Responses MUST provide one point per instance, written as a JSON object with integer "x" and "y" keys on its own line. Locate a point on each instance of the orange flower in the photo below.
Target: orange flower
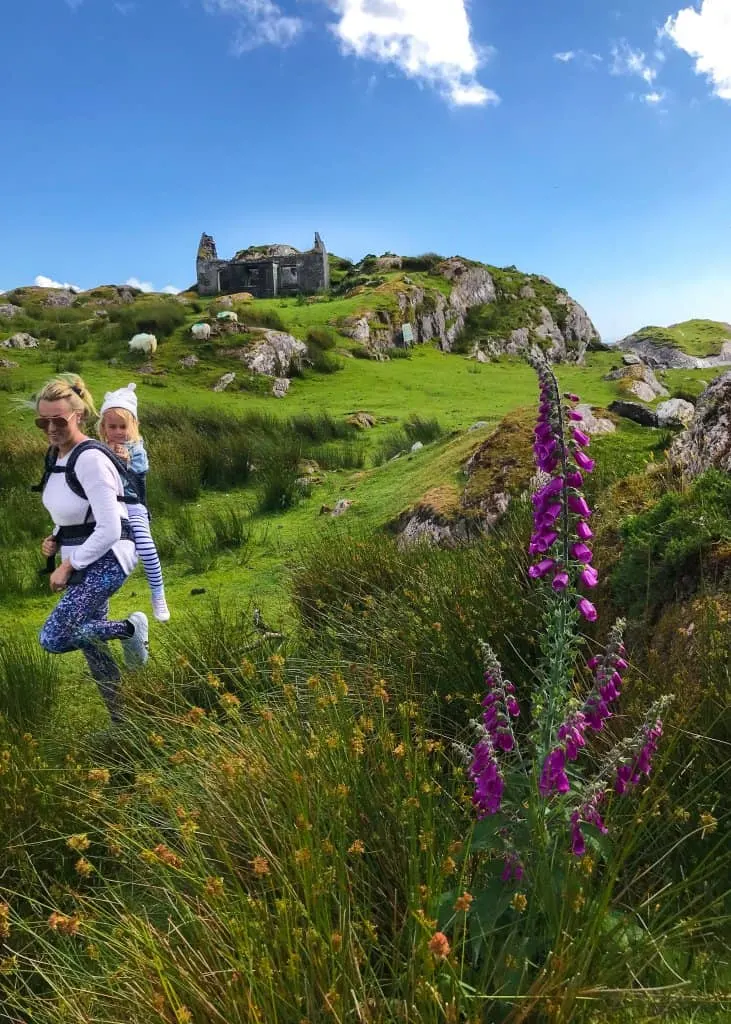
{"x": 260, "y": 866}
{"x": 336, "y": 941}
{"x": 357, "y": 847}
{"x": 439, "y": 946}
{"x": 78, "y": 842}
{"x": 463, "y": 903}
{"x": 63, "y": 924}
{"x": 83, "y": 867}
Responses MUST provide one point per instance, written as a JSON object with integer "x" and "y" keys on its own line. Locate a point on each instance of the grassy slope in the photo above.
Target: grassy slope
{"x": 431, "y": 383}
{"x": 694, "y": 337}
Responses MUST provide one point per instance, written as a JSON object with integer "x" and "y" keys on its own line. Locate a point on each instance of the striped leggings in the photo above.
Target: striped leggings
{"x": 139, "y": 520}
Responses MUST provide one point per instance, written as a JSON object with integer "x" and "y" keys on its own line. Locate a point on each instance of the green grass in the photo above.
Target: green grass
{"x": 694, "y": 337}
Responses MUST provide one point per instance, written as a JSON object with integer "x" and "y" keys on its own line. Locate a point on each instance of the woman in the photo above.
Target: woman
{"x": 85, "y": 499}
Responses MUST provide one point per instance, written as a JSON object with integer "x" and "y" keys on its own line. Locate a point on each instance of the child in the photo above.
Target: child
{"x": 119, "y": 430}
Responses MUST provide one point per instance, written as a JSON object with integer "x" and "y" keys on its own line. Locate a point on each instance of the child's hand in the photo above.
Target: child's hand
{"x": 121, "y": 451}
{"x": 49, "y": 547}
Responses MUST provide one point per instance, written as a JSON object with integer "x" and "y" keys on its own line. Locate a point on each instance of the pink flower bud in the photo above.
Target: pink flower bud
{"x": 587, "y": 609}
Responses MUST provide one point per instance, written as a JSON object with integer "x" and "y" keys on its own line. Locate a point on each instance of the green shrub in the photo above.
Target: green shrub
{"x": 360, "y": 351}
{"x": 149, "y": 316}
{"x": 261, "y": 318}
{"x": 664, "y": 553}
{"x": 321, "y": 337}
{"x": 29, "y": 683}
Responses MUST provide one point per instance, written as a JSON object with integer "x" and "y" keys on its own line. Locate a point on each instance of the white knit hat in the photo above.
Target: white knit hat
{"x": 122, "y": 398}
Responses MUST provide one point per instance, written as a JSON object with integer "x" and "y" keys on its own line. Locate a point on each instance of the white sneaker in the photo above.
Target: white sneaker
{"x": 135, "y": 646}
{"x": 160, "y": 608}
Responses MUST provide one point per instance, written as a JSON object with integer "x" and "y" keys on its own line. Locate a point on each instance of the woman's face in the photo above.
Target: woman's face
{"x": 115, "y": 428}
{"x": 63, "y": 424}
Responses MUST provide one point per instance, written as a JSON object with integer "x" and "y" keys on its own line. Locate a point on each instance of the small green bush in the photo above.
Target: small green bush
{"x": 261, "y": 318}
{"x": 29, "y": 682}
{"x": 360, "y": 351}
{"x": 664, "y": 549}
{"x": 154, "y": 316}
{"x": 321, "y": 337}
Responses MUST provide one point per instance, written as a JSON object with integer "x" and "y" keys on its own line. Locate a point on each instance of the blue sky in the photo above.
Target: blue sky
{"x": 584, "y": 140}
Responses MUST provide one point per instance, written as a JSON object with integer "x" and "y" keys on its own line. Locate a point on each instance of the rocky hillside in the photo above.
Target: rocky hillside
{"x": 379, "y": 304}
{"x": 462, "y": 305}
{"x": 693, "y": 344}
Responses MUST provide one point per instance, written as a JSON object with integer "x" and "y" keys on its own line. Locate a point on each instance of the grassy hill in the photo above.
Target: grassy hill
{"x": 282, "y": 830}
{"x": 694, "y": 337}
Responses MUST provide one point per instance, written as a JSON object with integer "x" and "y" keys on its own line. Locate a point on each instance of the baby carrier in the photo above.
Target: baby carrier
{"x": 134, "y": 494}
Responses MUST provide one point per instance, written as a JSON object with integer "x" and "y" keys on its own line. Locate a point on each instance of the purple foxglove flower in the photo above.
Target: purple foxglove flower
{"x": 575, "y": 416}
{"x": 589, "y": 576}
{"x": 587, "y": 609}
{"x": 583, "y": 461}
{"x": 571, "y": 396}
{"x": 584, "y": 531}
{"x": 513, "y": 707}
{"x": 620, "y": 664}
{"x": 574, "y": 479}
{"x": 592, "y": 663}
{"x": 546, "y": 540}
{"x": 578, "y": 504}
{"x": 552, "y": 512}
{"x": 504, "y": 741}
{"x": 560, "y": 581}
{"x": 541, "y": 568}
{"x": 553, "y": 775}
{"x": 581, "y": 553}
{"x": 578, "y": 845}
{"x": 580, "y": 437}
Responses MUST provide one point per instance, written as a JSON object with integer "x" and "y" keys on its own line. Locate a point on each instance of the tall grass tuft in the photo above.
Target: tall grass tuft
{"x": 29, "y": 683}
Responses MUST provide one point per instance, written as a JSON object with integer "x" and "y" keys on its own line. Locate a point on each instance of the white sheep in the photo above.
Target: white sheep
{"x": 201, "y": 332}
{"x": 228, "y": 314}
{"x": 146, "y": 343}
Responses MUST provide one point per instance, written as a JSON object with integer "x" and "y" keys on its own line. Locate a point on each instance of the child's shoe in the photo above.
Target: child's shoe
{"x": 160, "y": 607}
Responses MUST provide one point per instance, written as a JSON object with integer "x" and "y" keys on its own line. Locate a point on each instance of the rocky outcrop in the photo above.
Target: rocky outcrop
{"x": 592, "y": 424}
{"x": 59, "y": 298}
{"x": 272, "y": 353}
{"x": 433, "y": 316}
{"x": 638, "y": 380}
{"x": 675, "y": 413}
{"x": 635, "y": 412}
{"x": 8, "y": 364}
{"x": 664, "y": 356}
{"x": 280, "y": 387}
{"x": 8, "y": 310}
{"x": 20, "y": 340}
{"x": 499, "y": 469}
{"x": 224, "y": 382}
{"x": 707, "y": 442}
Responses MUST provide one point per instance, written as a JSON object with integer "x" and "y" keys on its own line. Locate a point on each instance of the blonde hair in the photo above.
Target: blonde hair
{"x": 133, "y": 427}
{"x": 69, "y": 387}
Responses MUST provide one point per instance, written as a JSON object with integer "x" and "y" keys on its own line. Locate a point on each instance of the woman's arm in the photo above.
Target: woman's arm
{"x": 101, "y": 483}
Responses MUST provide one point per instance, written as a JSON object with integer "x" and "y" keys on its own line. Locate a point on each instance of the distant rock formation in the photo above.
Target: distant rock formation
{"x": 707, "y": 442}
{"x": 662, "y": 347}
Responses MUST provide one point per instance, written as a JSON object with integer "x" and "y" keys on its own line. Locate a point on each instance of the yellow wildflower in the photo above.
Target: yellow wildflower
{"x": 260, "y": 866}
{"x": 380, "y": 692}
{"x": 4, "y": 921}
{"x": 248, "y": 669}
{"x": 214, "y": 887}
{"x": 83, "y": 867}
{"x": 449, "y": 866}
{"x": 519, "y": 902}
{"x": 357, "y": 847}
{"x": 399, "y": 750}
{"x": 213, "y": 681}
{"x": 709, "y": 824}
{"x": 79, "y": 842}
{"x": 64, "y": 924}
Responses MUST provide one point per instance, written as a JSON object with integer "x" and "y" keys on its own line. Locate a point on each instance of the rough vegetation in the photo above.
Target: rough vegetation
{"x": 282, "y": 830}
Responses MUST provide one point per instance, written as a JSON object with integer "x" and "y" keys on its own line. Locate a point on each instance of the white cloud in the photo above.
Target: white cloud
{"x": 627, "y": 61}
{"x": 74, "y": 4}
{"x": 260, "y": 23}
{"x": 589, "y": 60}
{"x": 706, "y": 35}
{"x": 47, "y": 282}
{"x": 653, "y": 98}
{"x": 428, "y": 41}
{"x": 144, "y": 286}
{"x": 148, "y": 286}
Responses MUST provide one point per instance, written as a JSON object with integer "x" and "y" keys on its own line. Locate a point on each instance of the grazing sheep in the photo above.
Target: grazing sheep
{"x": 227, "y": 314}
{"x": 201, "y": 332}
{"x": 146, "y": 343}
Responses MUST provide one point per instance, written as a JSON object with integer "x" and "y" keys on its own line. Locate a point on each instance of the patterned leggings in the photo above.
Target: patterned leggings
{"x": 139, "y": 520}
{"x": 79, "y": 623}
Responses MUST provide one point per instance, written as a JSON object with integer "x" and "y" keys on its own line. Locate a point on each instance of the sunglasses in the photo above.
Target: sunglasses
{"x": 57, "y": 422}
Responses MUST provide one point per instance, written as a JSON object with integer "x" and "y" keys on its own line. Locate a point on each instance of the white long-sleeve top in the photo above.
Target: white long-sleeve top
{"x": 102, "y": 485}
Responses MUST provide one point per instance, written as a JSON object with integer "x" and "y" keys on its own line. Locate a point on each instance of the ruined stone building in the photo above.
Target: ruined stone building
{"x": 263, "y": 270}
